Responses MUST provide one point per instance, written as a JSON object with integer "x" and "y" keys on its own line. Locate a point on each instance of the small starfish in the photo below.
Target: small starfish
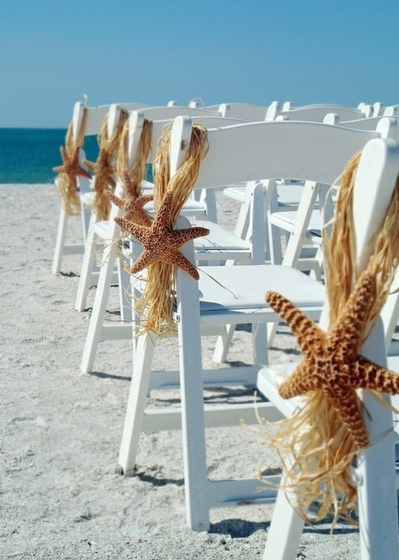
{"x": 133, "y": 203}
{"x": 71, "y": 165}
{"x": 102, "y": 169}
{"x": 160, "y": 242}
{"x": 332, "y": 361}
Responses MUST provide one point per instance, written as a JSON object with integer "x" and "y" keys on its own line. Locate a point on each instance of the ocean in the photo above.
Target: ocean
{"x": 28, "y": 155}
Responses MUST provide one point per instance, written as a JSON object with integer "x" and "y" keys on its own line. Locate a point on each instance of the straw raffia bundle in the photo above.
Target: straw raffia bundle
{"x": 315, "y": 444}
{"x": 103, "y": 167}
{"x": 67, "y": 179}
{"x": 156, "y": 302}
{"x": 132, "y": 174}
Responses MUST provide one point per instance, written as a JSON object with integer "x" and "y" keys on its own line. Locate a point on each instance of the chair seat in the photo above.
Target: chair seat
{"x": 236, "y": 192}
{"x": 219, "y": 239}
{"x": 286, "y": 219}
{"x": 87, "y": 198}
{"x": 240, "y": 290}
{"x": 268, "y": 381}
{"x": 289, "y": 193}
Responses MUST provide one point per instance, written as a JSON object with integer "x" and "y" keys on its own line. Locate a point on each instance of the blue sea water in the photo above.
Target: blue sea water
{"x": 28, "y": 155}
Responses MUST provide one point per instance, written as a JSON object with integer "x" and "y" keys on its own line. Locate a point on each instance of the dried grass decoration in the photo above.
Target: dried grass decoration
{"x": 318, "y": 443}
{"x": 132, "y": 175}
{"x": 71, "y": 169}
{"x": 103, "y": 168}
{"x": 161, "y": 242}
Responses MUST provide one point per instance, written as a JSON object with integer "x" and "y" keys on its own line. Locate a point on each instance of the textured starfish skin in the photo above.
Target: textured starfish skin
{"x": 102, "y": 169}
{"x": 134, "y": 202}
{"x": 160, "y": 242}
{"x": 71, "y": 165}
{"x": 332, "y": 361}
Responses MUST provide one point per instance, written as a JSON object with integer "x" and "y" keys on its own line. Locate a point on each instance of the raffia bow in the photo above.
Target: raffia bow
{"x": 319, "y": 440}
{"x": 67, "y": 179}
{"x": 155, "y": 305}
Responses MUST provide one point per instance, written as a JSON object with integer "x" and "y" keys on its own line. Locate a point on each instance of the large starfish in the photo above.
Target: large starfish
{"x": 160, "y": 242}
{"x": 332, "y": 361}
{"x": 102, "y": 169}
{"x": 71, "y": 165}
{"x": 134, "y": 203}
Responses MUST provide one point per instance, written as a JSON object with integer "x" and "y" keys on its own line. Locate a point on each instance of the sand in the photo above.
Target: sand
{"x": 61, "y": 430}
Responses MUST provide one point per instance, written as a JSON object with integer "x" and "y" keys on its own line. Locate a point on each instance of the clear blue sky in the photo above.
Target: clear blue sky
{"x": 306, "y": 51}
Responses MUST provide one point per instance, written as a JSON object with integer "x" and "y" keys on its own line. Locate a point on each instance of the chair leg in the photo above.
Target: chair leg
{"x": 60, "y": 242}
{"x": 125, "y": 295}
{"x": 196, "y": 482}
{"x": 87, "y": 270}
{"x": 100, "y": 302}
{"x": 142, "y": 358}
{"x": 285, "y": 530}
{"x": 377, "y": 494}
{"x": 223, "y": 344}
{"x": 197, "y": 486}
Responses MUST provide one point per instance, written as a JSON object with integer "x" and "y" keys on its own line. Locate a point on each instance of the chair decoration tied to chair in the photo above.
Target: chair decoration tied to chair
{"x": 71, "y": 168}
{"x": 103, "y": 168}
{"x": 132, "y": 176}
{"x": 161, "y": 242}
{"x": 323, "y": 436}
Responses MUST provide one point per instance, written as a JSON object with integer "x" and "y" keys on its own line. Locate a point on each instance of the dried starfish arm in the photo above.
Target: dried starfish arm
{"x": 71, "y": 165}
{"x": 353, "y": 320}
{"x": 132, "y": 188}
{"x": 103, "y": 170}
{"x": 174, "y": 257}
{"x": 138, "y": 231}
{"x": 303, "y": 380}
{"x": 365, "y": 374}
{"x": 306, "y": 331}
{"x": 134, "y": 207}
{"x": 346, "y": 405}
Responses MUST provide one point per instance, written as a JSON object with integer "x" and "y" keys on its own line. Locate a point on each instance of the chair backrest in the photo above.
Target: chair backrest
{"x": 247, "y": 111}
{"x": 170, "y": 112}
{"x": 96, "y": 115}
{"x": 136, "y": 121}
{"x": 272, "y": 150}
{"x": 163, "y": 117}
{"x": 370, "y": 123}
{"x": 314, "y": 113}
{"x": 391, "y": 111}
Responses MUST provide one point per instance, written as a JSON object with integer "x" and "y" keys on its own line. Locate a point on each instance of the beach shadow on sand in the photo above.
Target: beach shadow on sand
{"x": 238, "y": 528}
{"x": 104, "y": 375}
{"x": 156, "y": 478}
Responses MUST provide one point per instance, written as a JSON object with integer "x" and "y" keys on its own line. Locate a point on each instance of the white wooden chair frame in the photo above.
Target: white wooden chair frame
{"x": 228, "y": 246}
{"x": 94, "y": 121}
{"x": 236, "y": 297}
{"x": 375, "y": 470}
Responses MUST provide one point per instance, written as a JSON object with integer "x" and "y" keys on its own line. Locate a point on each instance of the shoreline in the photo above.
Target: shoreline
{"x": 61, "y": 429}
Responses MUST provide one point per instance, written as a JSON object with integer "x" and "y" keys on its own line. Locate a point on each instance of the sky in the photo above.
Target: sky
{"x": 53, "y": 52}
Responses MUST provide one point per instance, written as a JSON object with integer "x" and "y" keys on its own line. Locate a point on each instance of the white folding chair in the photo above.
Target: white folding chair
{"x": 228, "y": 295}
{"x": 316, "y": 112}
{"x": 221, "y": 245}
{"x": 246, "y": 111}
{"x": 374, "y": 472}
{"x": 304, "y": 225}
{"x": 89, "y": 272}
{"x": 92, "y": 118}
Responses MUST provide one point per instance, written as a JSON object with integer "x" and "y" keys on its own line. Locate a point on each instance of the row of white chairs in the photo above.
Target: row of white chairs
{"x": 247, "y": 152}
{"x": 247, "y": 244}
{"x": 228, "y": 161}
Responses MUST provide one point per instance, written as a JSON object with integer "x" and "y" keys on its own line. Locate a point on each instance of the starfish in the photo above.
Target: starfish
{"x": 332, "y": 362}
{"x": 160, "y": 242}
{"x": 133, "y": 203}
{"x": 71, "y": 165}
{"x": 102, "y": 169}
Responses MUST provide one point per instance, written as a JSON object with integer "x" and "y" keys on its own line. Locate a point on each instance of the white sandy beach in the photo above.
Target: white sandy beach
{"x": 61, "y": 430}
